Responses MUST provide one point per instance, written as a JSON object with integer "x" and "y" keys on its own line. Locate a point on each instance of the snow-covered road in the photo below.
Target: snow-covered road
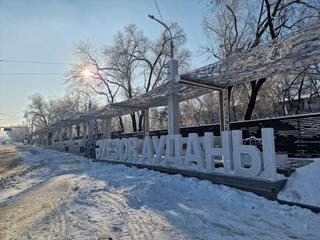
{"x": 53, "y": 195}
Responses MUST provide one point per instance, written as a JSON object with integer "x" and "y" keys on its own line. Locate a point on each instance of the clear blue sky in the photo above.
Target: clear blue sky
{"x": 42, "y": 30}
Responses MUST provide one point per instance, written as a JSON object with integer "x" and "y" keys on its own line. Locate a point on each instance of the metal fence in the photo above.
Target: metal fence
{"x": 298, "y": 135}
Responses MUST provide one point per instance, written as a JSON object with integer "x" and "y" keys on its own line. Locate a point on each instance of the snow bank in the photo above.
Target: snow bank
{"x": 129, "y": 203}
{"x": 177, "y": 207}
{"x": 303, "y": 186}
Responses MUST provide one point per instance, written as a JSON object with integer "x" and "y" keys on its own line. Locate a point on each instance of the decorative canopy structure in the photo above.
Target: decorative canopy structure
{"x": 154, "y": 98}
{"x": 296, "y": 50}
{"x": 158, "y": 96}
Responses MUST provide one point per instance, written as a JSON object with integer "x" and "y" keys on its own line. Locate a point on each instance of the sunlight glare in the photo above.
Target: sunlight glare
{"x": 86, "y": 73}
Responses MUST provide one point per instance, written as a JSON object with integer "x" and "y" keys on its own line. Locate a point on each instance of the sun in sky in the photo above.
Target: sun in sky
{"x": 86, "y": 73}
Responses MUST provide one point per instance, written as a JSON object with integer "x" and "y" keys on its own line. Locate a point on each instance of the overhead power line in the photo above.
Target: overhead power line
{"x": 22, "y": 73}
{"x": 155, "y": 2}
{"x": 3, "y": 113}
{"x": 34, "y": 62}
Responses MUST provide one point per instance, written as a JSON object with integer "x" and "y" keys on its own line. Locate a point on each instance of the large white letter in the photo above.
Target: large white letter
{"x": 211, "y": 151}
{"x": 104, "y": 149}
{"x": 251, "y": 151}
{"x": 269, "y": 154}
{"x": 133, "y": 149}
{"x": 116, "y": 150}
{"x": 109, "y": 149}
{"x": 123, "y": 149}
{"x": 173, "y": 151}
{"x": 194, "y": 153}
{"x": 158, "y": 146}
{"x": 147, "y": 151}
{"x": 98, "y": 149}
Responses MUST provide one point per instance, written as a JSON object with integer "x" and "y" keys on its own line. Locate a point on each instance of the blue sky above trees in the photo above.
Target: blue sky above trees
{"x": 37, "y": 30}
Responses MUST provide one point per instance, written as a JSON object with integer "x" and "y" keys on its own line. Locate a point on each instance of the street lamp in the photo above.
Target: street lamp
{"x": 163, "y": 24}
{"x": 172, "y": 99}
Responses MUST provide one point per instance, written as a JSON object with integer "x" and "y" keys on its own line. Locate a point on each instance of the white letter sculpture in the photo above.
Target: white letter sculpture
{"x": 115, "y": 154}
{"x": 194, "y": 153}
{"x": 200, "y": 156}
{"x": 173, "y": 151}
{"x": 269, "y": 154}
{"x": 133, "y": 155}
{"x": 158, "y": 146}
{"x": 99, "y": 149}
{"x": 147, "y": 151}
{"x": 212, "y": 151}
{"x": 123, "y": 149}
{"x": 239, "y": 150}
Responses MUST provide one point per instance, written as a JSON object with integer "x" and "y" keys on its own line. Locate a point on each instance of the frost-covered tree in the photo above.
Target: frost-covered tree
{"x": 41, "y": 112}
{"x": 234, "y": 26}
{"x": 38, "y": 111}
{"x": 131, "y": 65}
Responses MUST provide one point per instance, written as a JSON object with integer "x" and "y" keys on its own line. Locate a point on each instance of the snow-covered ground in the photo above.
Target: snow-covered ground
{"x": 303, "y": 186}
{"x": 64, "y": 196}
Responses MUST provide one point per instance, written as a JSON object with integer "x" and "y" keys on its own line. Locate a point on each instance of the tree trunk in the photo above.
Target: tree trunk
{"x": 140, "y": 121}
{"x": 299, "y": 96}
{"x": 234, "y": 108}
{"x": 121, "y": 123}
{"x": 229, "y": 99}
{"x": 255, "y": 87}
{"x": 134, "y": 122}
{"x": 78, "y": 129}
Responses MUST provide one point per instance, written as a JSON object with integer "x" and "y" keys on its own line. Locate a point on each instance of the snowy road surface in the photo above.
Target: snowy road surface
{"x": 47, "y": 194}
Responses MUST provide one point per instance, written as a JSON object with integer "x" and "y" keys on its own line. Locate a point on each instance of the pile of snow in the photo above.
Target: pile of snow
{"x": 303, "y": 186}
{"x": 176, "y": 207}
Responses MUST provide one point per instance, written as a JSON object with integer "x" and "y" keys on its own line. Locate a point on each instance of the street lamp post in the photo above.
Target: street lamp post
{"x": 171, "y": 38}
{"x": 172, "y": 99}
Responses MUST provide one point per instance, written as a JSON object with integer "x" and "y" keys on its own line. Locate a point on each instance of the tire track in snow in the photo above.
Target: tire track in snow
{"x": 135, "y": 225}
{"x": 29, "y": 211}
{"x": 121, "y": 222}
{"x": 116, "y": 215}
